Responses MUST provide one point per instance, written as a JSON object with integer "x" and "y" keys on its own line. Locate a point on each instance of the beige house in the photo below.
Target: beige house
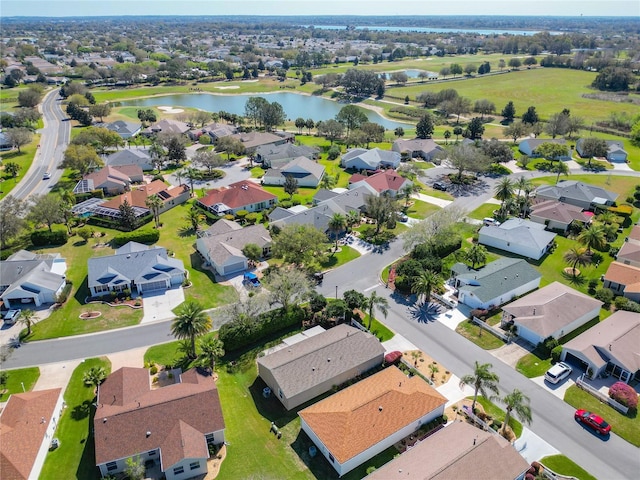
{"x": 612, "y": 346}
{"x": 458, "y": 451}
{"x": 624, "y": 280}
{"x": 629, "y": 253}
{"x": 27, "y": 426}
{"x": 359, "y": 422}
{"x": 300, "y": 372}
{"x": 557, "y": 215}
{"x": 552, "y": 311}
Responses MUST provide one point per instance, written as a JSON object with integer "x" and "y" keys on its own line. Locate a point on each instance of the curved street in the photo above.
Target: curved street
{"x": 552, "y": 418}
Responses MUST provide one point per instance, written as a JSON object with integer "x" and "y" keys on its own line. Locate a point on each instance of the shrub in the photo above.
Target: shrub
{"x": 40, "y": 238}
{"x": 204, "y": 140}
{"x": 555, "y": 353}
{"x": 605, "y": 295}
{"x": 141, "y": 236}
{"x": 153, "y": 370}
{"x": 624, "y": 394}
{"x": 334, "y": 152}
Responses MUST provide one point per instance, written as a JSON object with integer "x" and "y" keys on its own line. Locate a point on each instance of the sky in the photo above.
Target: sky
{"x": 66, "y": 8}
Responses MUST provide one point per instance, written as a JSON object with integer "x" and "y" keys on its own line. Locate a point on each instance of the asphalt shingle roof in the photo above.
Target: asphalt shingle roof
{"x": 572, "y": 189}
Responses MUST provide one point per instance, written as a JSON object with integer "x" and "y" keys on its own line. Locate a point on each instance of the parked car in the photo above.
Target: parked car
{"x": 393, "y": 358}
{"x": 488, "y": 222}
{"x": 440, "y": 186}
{"x": 402, "y": 216}
{"x": 12, "y": 315}
{"x": 46, "y": 176}
{"x": 557, "y": 373}
{"x": 592, "y": 421}
{"x": 251, "y": 280}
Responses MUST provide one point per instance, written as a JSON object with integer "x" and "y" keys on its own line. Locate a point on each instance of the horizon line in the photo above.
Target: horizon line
{"x": 318, "y": 16}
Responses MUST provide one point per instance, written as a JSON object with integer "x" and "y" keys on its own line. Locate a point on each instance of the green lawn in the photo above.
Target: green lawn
{"x": 625, "y": 426}
{"x": 75, "y": 458}
{"x": 483, "y": 211}
{"x": 345, "y": 255}
{"x": 379, "y": 329}
{"x": 565, "y": 466}
{"x": 23, "y": 159}
{"x": 498, "y": 414}
{"x": 420, "y": 209}
{"x": 533, "y": 366}
{"x": 480, "y": 337}
{"x": 18, "y": 381}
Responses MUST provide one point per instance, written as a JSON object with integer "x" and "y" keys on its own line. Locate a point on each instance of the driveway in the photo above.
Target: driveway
{"x": 510, "y": 353}
{"x": 158, "y": 306}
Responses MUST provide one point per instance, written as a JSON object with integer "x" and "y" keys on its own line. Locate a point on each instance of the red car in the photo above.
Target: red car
{"x": 593, "y": 421}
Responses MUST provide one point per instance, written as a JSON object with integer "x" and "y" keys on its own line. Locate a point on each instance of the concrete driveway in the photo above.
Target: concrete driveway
{"x": 510, "y": 353}
{"x": 158, "y": 306}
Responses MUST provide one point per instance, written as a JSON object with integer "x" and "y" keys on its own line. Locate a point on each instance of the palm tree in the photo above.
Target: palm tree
{"x": 607, "y": 217}
{"x": 524, "y": 185}
{"x": 94, "y": 377}
{"x": 425, "y": 283}
{"x": 26, "y": 318}
{"x": 211, "y": 349}
{"x": 593, "y": 237}
{"x": 517, "y": 402}
{"x": 353, "y": 218}
{"x": 191, "y": 322}
{"x": 476, "y": 254}
{"x": 503, "y": 191}
{"x": 560, "y": 168}
{"x": 577, "y": 256}
{"x": 482, "y": 380}
{"x": 154, "y": 203}
{"x": 376, "y": 301}
{"x": 328, "y": 181}
{"x": 337, "y": 223}
{"x": 195, "y": 217}
{"x": 191, "y": 174}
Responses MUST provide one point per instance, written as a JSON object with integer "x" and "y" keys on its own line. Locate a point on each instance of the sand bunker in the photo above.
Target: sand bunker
{"x": 171, "y": 110}
{"x": 228, "y": 87}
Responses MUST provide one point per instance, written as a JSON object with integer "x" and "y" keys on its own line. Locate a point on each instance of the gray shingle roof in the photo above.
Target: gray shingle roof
{"x": 520, "y": 232}
{"x": 225, "y": 240}
{"x": 496, "y": 278}
{"x": 301, "y": 366}
{"x": 572, "y": 189}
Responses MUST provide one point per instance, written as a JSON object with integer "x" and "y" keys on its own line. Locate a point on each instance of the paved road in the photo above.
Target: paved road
{"x": 54, "y": 141}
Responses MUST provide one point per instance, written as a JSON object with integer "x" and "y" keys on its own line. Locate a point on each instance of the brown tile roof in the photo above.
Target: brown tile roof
{"x": 635, "y": 233}
{"x": 138, "y": 195}
{"x": 626, "y": 275}
{"x": 237, "y": 195}
{"x": 119, "y": 174}
{"x": 22, "y": 430}
{"x": 459, "y": 451}
{"x": 551, "y": 308}
{"x": 562, "y": 212}
{"x": 360, "y": 416}
{"x": 131, "y": 418}
{"x": 383, "y": 181}
{"x": 630, "y": 251}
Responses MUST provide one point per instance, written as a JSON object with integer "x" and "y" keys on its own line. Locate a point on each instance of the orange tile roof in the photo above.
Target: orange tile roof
{"x": 22, "y": 431}
{"x": 360, "y": 416}
{"x": 237, "y": 195}
{"x": 385, "y": 180}
{"x": 137, "y": 196}
{"x": 622, "y": 274}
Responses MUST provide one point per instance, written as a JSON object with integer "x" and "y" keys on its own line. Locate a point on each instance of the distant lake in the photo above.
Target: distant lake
{"x": 294, "y": 105}
{"x": 430, "y": 30}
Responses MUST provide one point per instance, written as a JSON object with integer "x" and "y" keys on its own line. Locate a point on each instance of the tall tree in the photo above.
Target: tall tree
{"x": 464, "y": 157}
{"x": 128, "y": 218}
{"x": 373, "y": 302}
{"x": 337, "y": 224}
{"x": 425, "y": 126}
{"x": 351, "y": 117}
{"x": 157, "y": 154}
{"x": 380, "y": 209}
{"x": 509, "y": 112}
{"x": 518, "y": 403}
{"x": 577, "y": 256}
{"x": 191, "y": 322}
{"x": 593, "y": 237}
{"x": 82, "y": 158}
{"x": 290, "y": 185}
{"x": 94, "y": 377}
{"x": 208, "y": 159}
{"x": 558, "y": 124}
{"x": 287, "y": 286}
{"x": 231, "y": 146}
{"x": 530, "y": 116}
{"x": 475, "y": 128}
{"x": 19, "y": 137}
{"x": 504, "y": 190}
{"x": 299, "y": 244}
{"x": 154, "y": 203}
{"x": 194, "y": 218}
{"x": 332, "y": 130}
{"x": 211, "y": 349}
{"x": 11, "y": 218}
{"x": 26, "y": 318}
{"x": 594, "y": 147}
{"x": 425, "y": 284}
{"x": 483, "y": 381}
{"x": 476, "y": 254}
{"x": 560, "y": 168}
{"x": 46, "y": 209}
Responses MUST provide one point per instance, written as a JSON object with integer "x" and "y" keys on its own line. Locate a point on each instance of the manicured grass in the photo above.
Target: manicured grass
{"x": 499, "y": 415}
{"x": 257, "y": 172}
{"x": 23, "y": 159}
{"x": 378, "y": 329}
{"x": 432, "y": 192}
{"x": 478, "y": 336}
{"x": 420, "y": 209}
{"x": 16, "y": 379}
{"x": 424, "y": 165}
{"x": 625, "y": 426}
{"x": 565, "y": 466}
{"x": 345, "y": 255}
{"x": 163, "y": 354}
{"x": 533, "y": 366}
{"x": 75, "y": 457}
{"x": 484, "y": 210}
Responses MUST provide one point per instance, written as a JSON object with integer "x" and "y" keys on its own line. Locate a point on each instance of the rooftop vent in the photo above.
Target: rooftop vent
{"x": 148, "y": 433}
{"x": 380, "y": 408}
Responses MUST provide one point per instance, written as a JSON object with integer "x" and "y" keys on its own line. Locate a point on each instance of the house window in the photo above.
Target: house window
{"x": 112, "y": 466}
{"x": 152, "y": 453}
{"x": 331, "y": 458}
{"x": 280, "y": 393}
{"x": 194, "y": 465}
{"x": 178, "y": 470}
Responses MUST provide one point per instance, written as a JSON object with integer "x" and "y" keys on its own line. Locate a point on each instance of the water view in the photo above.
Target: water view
{"x": 294, "y": 105}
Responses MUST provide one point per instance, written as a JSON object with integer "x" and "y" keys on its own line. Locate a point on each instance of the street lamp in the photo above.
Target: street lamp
{"x": 336, "y": 292}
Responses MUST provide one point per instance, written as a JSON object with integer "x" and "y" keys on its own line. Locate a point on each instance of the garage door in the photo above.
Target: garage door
{"x": 147, "y": 287}
{"x": 571, "y": 359}
{"x": 233, "y": 268}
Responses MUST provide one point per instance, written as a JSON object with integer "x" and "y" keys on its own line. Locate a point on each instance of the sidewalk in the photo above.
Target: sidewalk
{"x": 532, "y": 447}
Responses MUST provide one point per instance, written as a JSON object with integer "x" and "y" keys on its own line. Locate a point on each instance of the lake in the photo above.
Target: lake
{"x": 294, "y": 105}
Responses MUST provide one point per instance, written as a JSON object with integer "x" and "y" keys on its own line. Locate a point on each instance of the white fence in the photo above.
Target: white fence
{"x": 491, "y": 330}
{"x": 601, "y": 396}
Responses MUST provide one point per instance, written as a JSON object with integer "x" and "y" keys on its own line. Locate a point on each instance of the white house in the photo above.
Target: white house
{"x": 519, "y": 236}
{"x": 363, "y": 159}
{"x": 306, "y": 172}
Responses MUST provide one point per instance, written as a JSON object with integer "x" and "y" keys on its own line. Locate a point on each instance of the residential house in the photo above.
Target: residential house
{"x": 424, "y": 148}
{"x": 494, "y": 284}
{"x": 459, "y": 451}
{"x": 577, "y": 193}
{"x": 131, "y": 156}
{"x": 124, "y": 129}
{"x": 558, "y": 215}
{"x": 167, "y": 125}
{"x": 615, "y": 150}
{"x": 355, "y": 424}
{"x": 629, "y": 253}
{"x": 31, "y": 279}
{"x": 5, "y": 142}
{"x": 27, "y": 425}
{"x": 221, "y": 245}
{"x": 552, "y": 311}
{"x": 306, "y": 172}
{"x": 624, "y": 280}
{"x": 529, "y": 146}
{"x": 385, "y": 182}
{"x": 171, "y": 426}
{"x": 611, "y": 346}
{"x": 111, "y": 180}
{"x": 253, "y": 140}
{"x": 134, "y": 267}
{"x": 320, "y": 214}
{"x": 272, "y": 155}
{"x": 244, "y": 195}
{"x": 299, "y": 372}
{"x": 362, "y": 159}
{"x": 519, "y": 236}
{"x": 218, "y": 130}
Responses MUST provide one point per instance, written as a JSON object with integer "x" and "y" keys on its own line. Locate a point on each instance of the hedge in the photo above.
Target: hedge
{"x": 40, "y": 238}
{"x": 142, "y": 236}
{"x": 241, "y": 333}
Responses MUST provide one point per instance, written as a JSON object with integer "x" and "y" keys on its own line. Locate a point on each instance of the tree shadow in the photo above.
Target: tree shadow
{"x": 317, "y": 464}
{"x": 578, "y": 280}
{"x": 425, "y": 313}
{"x": 81, "y": 411}
{"x": 87, "y": 468}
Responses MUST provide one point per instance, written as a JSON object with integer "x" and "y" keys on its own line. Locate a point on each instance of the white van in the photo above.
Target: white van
{"x": 488, "y": 221}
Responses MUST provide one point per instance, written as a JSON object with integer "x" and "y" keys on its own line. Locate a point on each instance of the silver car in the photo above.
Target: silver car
{"x": 557, "y": 373}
